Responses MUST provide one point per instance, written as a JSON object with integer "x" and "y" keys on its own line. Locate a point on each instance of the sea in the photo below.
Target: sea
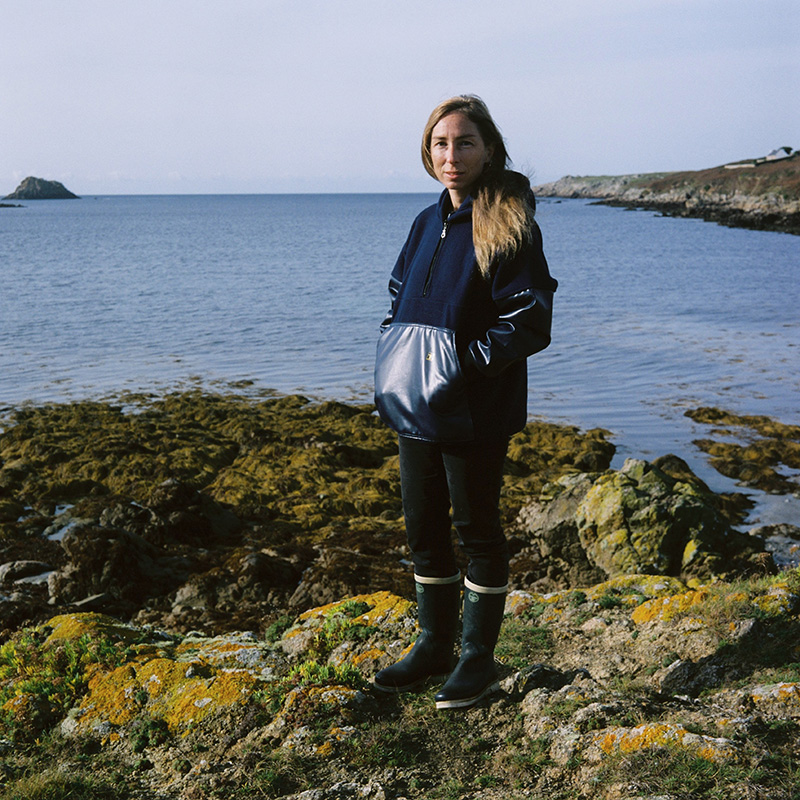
{"x": 257, "y": 294}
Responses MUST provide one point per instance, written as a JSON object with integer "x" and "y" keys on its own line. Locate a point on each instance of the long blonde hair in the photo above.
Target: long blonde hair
{"x": 503, "y": 205}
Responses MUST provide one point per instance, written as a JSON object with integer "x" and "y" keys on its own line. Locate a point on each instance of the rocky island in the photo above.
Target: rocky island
{"x": 39, "y": 189}
{"x": 761, "y": 193}
{"x": 195, "y": 591}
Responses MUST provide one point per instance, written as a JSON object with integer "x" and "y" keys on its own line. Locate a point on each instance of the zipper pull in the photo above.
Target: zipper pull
{"x": 444, "y": 230}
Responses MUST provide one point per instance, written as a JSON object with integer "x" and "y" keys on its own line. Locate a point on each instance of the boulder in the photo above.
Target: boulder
{"x": 19, "y": 570}
{"x": 116, "y": 563}
{"x": 640, "y": 519}
{"x": 174, "y": 513}
{"x": 39, "y": 189}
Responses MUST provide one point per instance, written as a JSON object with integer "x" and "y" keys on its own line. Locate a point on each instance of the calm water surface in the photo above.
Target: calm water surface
{"x": 653, "y": 315}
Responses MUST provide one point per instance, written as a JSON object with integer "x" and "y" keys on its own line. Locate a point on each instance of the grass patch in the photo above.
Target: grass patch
{"x": 521, "y": 760}
{"x": 52, "y": 784}
{"x": 268, "y": 776}
{"x": 341, "y": 626}
{"x": 521, "y": 644}
{"x": 681, "y": 774}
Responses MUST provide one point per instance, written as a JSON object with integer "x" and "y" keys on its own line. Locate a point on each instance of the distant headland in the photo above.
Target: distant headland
{"x": 761, "y": 193}
{"x": 39, "y": 189}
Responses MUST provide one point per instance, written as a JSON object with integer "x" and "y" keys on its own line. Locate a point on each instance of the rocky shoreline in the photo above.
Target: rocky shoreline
{"x": 196, "y": 590}
{"x": 764, "y": 196}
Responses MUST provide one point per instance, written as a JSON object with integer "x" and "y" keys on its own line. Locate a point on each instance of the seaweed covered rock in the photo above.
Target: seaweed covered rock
{"x": 640, "y": 519}
{"x": 208, "y": 512}
{"x": 765, "y": 451}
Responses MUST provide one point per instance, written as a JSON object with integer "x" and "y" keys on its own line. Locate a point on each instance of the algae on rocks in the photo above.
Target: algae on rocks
{"x": 765, "y": 445}
{"x": 218, "y": 512}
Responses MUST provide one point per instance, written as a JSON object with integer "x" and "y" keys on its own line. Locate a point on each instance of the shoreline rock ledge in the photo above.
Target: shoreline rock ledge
{"x": 761, "y": 194}
{"x": 40, "y": 189}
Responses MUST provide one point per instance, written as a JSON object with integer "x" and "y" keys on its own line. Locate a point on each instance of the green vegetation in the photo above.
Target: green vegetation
{"x": 55, "y": 784}
{"x": 309, "y": 674}
{"x": 340, "y": 626}
{"x": 148, "y": 733}
{"x": 680, "y": 774}
{"x": 45, "y": 678}
{"x": 278, "y": 628}
{"x": 269, "y": 775}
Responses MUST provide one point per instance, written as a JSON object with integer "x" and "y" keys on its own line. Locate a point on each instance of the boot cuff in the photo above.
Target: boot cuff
{"x": 437, "y": 581}
{"x": 484, "y": 589}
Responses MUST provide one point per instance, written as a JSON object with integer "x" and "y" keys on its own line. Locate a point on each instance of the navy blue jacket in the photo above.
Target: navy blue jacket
{"x": 451, "y": 358}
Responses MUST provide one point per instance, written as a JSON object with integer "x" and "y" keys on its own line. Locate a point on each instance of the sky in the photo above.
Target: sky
{"x": 271, "y": 96}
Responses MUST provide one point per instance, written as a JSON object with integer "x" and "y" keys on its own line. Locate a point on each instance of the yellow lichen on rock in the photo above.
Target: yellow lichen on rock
{"x": 384, "y": 608}
{"x": 665, "y": 608}
{"x": 651, "y": 586}
{"x": 657, "y": 735}
{"x": 369, "y": 657}
{"x": 165, "y": 689}
{"x": 73, "y": 626}
{"x": 781, "y": 699}
{"x": 628, "y": 590}
{"x": 235, "y": 651}
{"x": 777, "y": 601}
{"x": 519, "y": 601}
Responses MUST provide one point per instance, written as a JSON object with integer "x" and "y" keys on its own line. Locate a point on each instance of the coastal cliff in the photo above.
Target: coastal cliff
{"x": 760, "y": 194}
{"x": 39, "y": 189}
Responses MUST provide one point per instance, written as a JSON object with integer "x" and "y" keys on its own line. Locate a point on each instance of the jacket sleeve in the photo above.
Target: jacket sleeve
{"x": 523, "y": 290}
{"x": 396, "y": 279}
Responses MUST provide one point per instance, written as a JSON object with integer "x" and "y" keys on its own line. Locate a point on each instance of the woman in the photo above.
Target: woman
{"x": 471, "y": 300}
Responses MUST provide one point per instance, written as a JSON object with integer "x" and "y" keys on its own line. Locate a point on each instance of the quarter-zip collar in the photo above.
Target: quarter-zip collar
{"x": 462, "y": 214}
{"x": 450, "y": 215}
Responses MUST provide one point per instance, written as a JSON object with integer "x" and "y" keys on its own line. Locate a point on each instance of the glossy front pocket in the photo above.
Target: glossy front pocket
{"x": 419, "y": 387}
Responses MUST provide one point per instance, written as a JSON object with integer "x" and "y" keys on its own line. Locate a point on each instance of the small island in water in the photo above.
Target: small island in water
{"x": 39, "y": 189}
{"x": 761, "y": 193}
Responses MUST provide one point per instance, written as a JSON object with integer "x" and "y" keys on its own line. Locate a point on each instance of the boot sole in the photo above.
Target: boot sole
{"x": 467, "y": 702}
{"x": 410, "y": 687}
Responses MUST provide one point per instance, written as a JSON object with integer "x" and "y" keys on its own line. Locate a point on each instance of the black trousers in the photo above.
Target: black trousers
{"x": 467, "y": 477}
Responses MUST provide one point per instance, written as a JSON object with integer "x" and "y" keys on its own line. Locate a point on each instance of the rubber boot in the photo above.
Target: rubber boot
{"x": 475, "y": 674}
{"x": 431, "y": 658}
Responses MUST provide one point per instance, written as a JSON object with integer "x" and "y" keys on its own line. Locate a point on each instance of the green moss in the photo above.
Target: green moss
{"x": 278, "y": 628}
{"x": 148, "y": 733}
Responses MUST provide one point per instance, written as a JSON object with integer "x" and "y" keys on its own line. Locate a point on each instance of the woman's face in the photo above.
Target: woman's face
{"x": 458, "y": 154}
